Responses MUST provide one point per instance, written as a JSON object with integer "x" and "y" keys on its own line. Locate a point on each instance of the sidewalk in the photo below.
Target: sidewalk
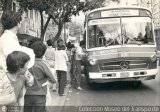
{"x": 58, "y": 102}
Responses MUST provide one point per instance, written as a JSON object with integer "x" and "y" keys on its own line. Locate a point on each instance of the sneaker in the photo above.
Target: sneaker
{"x": 79, "y": 88}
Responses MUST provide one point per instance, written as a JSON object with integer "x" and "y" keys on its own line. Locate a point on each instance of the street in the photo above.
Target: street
{"x": 116, "y": 93}
{"x": 110, "y": 94}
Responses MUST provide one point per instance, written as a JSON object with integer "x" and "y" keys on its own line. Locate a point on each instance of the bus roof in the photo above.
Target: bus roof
{"x": 117, "y": 7}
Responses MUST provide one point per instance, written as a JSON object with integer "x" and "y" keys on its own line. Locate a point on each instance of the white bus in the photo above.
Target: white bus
{"x": 120, "y": 44}
{"x": 157, "y": 35}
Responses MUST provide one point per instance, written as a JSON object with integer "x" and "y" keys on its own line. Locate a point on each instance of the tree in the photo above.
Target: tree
{"x": 39, "y": 5}
{"x": 58, "y": 10}
{"x": 5, "y": 5}
{"x": 66, "y": 8}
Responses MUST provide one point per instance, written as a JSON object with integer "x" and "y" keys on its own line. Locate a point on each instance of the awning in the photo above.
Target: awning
{"x": 24, "y": 36}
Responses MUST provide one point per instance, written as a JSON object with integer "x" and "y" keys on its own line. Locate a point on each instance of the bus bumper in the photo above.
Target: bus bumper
{"x": 138, "y": 75}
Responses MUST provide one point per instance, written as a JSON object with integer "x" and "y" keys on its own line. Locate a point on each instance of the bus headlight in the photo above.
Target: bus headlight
{"x": 92, "y": 61}
{"x": 153, "y": 58}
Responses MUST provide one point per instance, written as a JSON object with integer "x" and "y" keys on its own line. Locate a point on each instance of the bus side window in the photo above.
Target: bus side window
{"x": 148, "y": 34}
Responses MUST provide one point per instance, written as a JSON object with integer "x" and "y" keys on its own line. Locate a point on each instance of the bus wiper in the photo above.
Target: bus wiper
{"x": 113, "y": 40}
{"x": 136, "y": 42}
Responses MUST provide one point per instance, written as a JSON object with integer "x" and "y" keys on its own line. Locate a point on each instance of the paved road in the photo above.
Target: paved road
{"x": 117, "y": 93}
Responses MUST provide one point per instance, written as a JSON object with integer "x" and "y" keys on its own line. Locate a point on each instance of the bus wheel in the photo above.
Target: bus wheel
{"x": 137, "y": 84}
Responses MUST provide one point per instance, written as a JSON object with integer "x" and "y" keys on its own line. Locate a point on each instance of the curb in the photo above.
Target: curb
{"x": 59, "y": 100}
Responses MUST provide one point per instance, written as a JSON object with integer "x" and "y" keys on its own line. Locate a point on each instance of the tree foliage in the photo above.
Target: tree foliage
{"x": 59, "y": 10}
{"x": 5, "y": 5}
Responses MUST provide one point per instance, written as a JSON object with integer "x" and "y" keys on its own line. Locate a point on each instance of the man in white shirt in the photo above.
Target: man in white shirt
{"x": 11, "y": 22}
{"x": 79, "y": 56}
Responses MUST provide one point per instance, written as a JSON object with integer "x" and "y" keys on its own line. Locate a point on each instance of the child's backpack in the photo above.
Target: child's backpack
{"x": 7, "y": 95}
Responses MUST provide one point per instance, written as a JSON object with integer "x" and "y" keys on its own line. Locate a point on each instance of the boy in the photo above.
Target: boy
{"x": 35, "y": 97}
{"x": 17, "y": 63}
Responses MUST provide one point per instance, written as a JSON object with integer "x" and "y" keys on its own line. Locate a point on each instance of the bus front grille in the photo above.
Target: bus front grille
{"x": 124, "y": 65}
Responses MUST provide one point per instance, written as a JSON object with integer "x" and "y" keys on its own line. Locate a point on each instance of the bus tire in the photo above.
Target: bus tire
{"x": 86, "y": 72}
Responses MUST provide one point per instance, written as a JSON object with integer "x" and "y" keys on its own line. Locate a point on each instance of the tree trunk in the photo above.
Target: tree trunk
{"x": 8, "y": 5}
{"x": 60, "y": 27}
{"x": 1, "y": 28}
{"x": 45, "y": 28}
{"x": 42, "y": 34}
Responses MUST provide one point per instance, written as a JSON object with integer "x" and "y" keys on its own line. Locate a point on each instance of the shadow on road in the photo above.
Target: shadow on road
{"x": 119, "y": 85}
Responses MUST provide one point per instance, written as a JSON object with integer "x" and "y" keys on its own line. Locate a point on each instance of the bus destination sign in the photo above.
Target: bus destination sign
{"x": 114, "y": 13}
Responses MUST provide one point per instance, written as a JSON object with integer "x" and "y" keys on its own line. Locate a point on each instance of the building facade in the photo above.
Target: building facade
{"x": 30, "y": 21}
{"x": 153, "y": 5}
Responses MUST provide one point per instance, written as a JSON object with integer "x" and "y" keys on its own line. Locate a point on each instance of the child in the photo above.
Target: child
{"x": 35, "y": 97}
{"x": 61, "y": 60}
{"x": 50, "y": 58}
{"x": 17, "y": 66}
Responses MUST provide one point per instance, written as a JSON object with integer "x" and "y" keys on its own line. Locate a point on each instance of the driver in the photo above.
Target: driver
{"x": 102, "y": 40}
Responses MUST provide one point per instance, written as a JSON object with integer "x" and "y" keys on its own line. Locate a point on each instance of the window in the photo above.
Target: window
{"x": 116, "y": 31}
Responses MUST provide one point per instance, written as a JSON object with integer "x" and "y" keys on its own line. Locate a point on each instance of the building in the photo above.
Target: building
{"x": 153, "y": 5}
{"x": 30, "y": 21}
{"x": 156, "y": 12}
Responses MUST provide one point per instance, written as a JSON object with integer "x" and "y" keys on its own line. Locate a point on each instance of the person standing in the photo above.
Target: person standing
{"x": 9, "y": 42}
{"x": 50, "y": 58}
{"x": 50, "y": 53}
{"x": 79, "y": 56}
{"x": 73, "y": 67}
{"x": 61, "y": 60}
{"x": 35, "y": 97}
{"x": 68, "y": 51}
{"x": 11, "y": 22}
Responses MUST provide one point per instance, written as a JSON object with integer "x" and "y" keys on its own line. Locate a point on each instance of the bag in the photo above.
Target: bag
{"x": 7, "y": 95}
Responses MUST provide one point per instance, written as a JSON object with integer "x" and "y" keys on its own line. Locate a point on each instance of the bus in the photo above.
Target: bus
{"x": 157, "y": 35}
{"x": 120, "y": 45}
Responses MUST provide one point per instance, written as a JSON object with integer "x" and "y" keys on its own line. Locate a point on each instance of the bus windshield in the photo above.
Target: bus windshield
{"x": 118, "y": 31}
